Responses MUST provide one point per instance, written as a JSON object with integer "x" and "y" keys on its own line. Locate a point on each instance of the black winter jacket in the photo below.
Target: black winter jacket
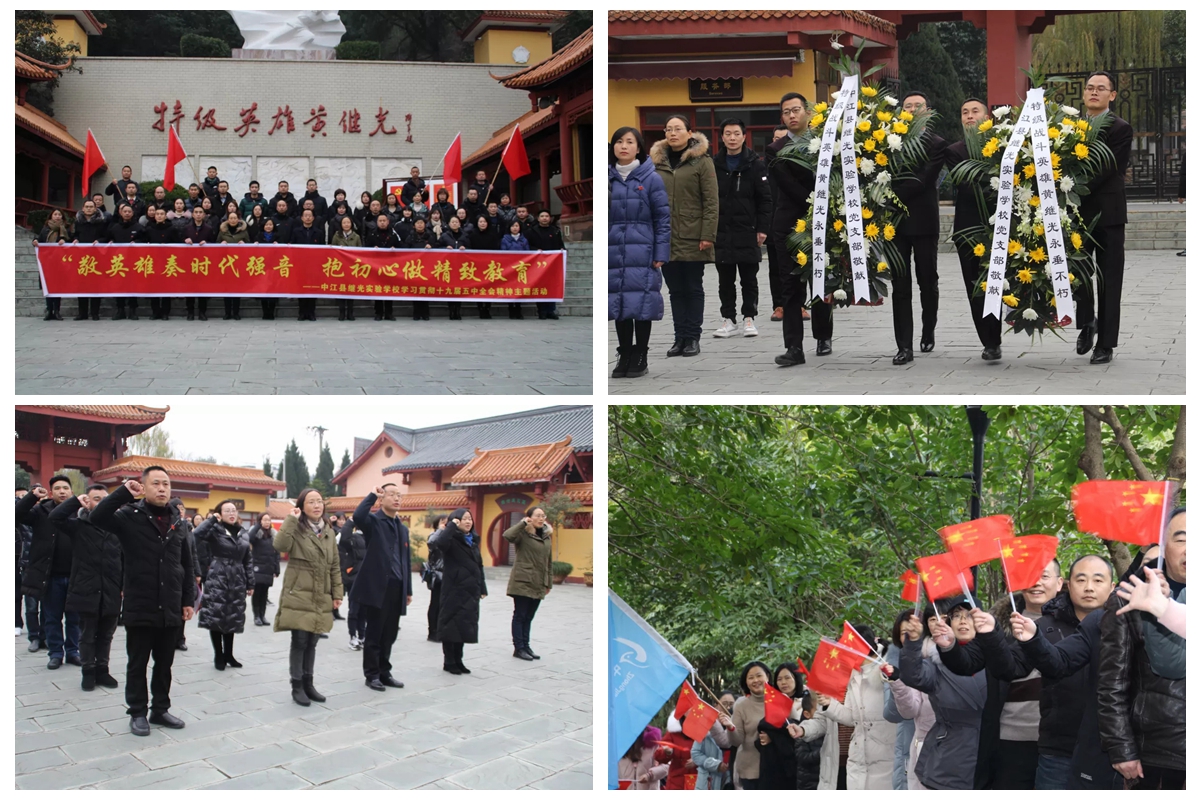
{"x": 378, "y": 237}
{"x": 777, "y": 759}
{"x": 158, "y": 579}
{"x": 167, "y": 233}
{"x": 791, "y": 185}
{"x": 448, "y": 210}
{"x": 744, "y": 204}
{"x": 302, "y": 235}
{"x": 352, "y": 552}
{"x": 463, "y": 585}
{"x": 419, "y": 240}
{"x": 919, "y": 192}
{"x": 89, "y": 231}
{"x": 808, "y": 762}
{"x": 453, "y": 240}
{"x": 122, "y": 232}
{"x": 410, "y": 188}
{"x": 96, "y": 563}
{"x": 266, "y": 557}
{"x": 547, "y": 238}
{"x": 203, "y": 233}
{"x": 230, "y": 576}
{"x": 289, "y": 198}
{"x": 320, "y": 204}
{"x": 46, "y": 541}
{"x": 432, "y": 572}
{"x": 371, "y": 584}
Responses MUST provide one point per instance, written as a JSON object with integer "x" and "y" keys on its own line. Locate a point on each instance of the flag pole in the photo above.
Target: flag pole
{"x": 917, "y": 605}
{"x": 963, "y": 583}
{"x": 711, "y": 693}
{"x": 874, "y": 647}
{"x": 1162, "y": 529}
{"x": 1007, "y": 582}
{"x": 841, "y": 646}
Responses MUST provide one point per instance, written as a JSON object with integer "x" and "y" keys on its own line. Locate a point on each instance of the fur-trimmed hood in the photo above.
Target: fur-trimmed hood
{"x": 697, "y": 147}
{"x": 241, "y": 226}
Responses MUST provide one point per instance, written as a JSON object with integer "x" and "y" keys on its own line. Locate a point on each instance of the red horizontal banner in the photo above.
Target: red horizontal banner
{"x": 279, "y": 270}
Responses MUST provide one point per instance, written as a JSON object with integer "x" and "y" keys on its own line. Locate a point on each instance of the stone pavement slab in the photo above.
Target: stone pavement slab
{"x": 1150, "y": 358}
{"x": 252, "y": 356}
{"x": 510, "y": 724}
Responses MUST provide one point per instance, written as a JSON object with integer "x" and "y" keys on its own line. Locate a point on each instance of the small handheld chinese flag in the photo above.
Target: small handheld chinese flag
{"x": 93, "y": 160}
{"x": 700, "y": 715}
{"x": 974, "y": 542}
{"x": 854, "y": 640}
{"x": 452, "y": 162}
{"x": 940, "y": 575}
{"x": 800, "y": 665}
{"x": 1134, "y": 512}
{"x": 909, "y": 592}
{"x": 1025, "y": 557}
{"x": 830, "y": 671}
{"x": 175, "y": 154}
{"x": 514, "y": 158}
{"x": 777, "y": 707}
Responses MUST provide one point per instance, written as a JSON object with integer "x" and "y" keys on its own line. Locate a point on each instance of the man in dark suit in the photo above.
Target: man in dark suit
{"x": 1107, "y": 199}
{"x": 773, "y": 264}
{"x": 917, "y": 241}
{"x": 383, "y": 590}
{"x": 969, "y": 214}
{"x": 791, "y": 184}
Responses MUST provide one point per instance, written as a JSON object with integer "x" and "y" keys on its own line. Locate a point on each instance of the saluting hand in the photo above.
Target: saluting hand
{"x": 378, "y": 491}
{"x": 295, "y": 512}
{"x": 84, "y": 501}
{"x": 134, "y": 487}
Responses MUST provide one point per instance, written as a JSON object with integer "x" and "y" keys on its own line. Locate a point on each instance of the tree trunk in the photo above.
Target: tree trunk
{"x": 1177, "y": 462}
{"x": 1091, "y": 461}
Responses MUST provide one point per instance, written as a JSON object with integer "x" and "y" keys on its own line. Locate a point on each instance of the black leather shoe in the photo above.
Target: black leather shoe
{"x": 76, "y": 660}
{"x": 452, "y": 669}
{"x": 903, "y": 356}
{"x": 521, "y": 654}
{"x": 691, "y": 347}
{"x": 463, "y": 668}
{"x": 1087, "y": 336}
{"x": 119, "y": 315}
{"x": 389, "y": 681}
{"x": 791, "y": 358}
{"x": 181, "y": 646}
{"x": 298, "y": 695}
{"x": 824, "y": 347}
{"x": 1102, "y": 355}
{"x": 80, "y": 318}
{"x": 233, "y": 662}
{"x": 676, "y": 349}
{"x": 203, "y": 317}
{"x": 227, "y": 317}
{"x": 991, "y": 353}
{"x": 312, "y": 693}
{"x": 138, "y": 726}
{"x": 219, "y": 662}
{"x": 133, "y": 315}
{"x": 623, "y": 358}
{"x": 372, "y": 683}
{"x": 88, "y": 682}
{"x": 379, "y": 317}
{"x": 191, "y": 317}
{"x": 166, "y": 719}
{"x": 536, "y": 657}
{"x": 235, "y": 316}
{"x": 104, "y": 679}
{"x": 927, "y": 344}
{"x": 54, "y": 663}
{"x": 34, "y": 645}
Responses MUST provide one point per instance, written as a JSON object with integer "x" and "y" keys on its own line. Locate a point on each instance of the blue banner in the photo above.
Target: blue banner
{"x": 644, "y": 672}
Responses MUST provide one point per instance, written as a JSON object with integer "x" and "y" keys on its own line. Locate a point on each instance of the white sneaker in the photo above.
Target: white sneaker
{"x": 18, "y": 631}
{"x": 728, "y": 328}
{"x": 353, "y": 642}
{"x": 749, "y": 329}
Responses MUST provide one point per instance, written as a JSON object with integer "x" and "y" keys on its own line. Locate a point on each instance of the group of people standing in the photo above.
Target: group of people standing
{"x": 211, "y": 215}
{"x": 675, "y": 207}
{"x": 1082, "y": 686}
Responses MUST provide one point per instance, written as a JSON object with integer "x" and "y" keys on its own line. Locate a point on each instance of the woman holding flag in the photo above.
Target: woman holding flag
{"x": 748, "y": 711}
{"x": 776, "y": 752}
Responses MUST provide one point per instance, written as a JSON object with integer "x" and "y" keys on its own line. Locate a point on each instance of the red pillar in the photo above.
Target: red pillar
{"x": 544, "y": 175}
{"x": 566, "y": 157}
{"x": 1009, "y": 49}
{"x": 45, "y": 196}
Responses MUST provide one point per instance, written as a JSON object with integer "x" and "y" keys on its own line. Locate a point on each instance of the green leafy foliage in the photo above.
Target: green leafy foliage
{"x": 358, "y": 51}
{"x": 37, "y": 37}
{"x": 926, "y": 67}
{"x": 194, "y": 46}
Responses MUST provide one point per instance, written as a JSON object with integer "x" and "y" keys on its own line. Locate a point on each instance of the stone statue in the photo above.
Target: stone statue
{"x": 289, "y": 30}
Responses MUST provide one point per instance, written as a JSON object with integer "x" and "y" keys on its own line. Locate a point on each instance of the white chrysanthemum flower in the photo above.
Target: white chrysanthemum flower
{"x": 995, "y": 184}
{"x": 883, "y": 177}
{"x": 836, "y": 94}
{"x": 814, "y": 144}
{"x": 1001, "y": 111}
{"x": 1069, "y": 111}
{"x": 867, "y": 167}
{"x": 1029, "y": 314}
{"x": 992, "y": 218}
{"x": 891, "y": 101}
{"x": 894, "y": 141}
{"x": 1006, "y": 284}
{"x": 839, "y": 294}
{"x": 1024, "y": 193}
{"x": 1066, "y": 183}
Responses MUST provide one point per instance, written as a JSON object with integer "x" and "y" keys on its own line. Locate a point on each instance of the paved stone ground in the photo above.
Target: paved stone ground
{"x": 509, "y": 724}
{"x": 252, "y": 356}
{"x": 1149, "y": 360}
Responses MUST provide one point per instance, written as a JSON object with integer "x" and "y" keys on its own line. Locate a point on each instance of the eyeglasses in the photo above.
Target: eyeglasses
{"x": 793, "y": 112}
{"x": 675, "y": 130}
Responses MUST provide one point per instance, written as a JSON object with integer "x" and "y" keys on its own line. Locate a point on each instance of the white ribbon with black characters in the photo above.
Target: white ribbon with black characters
{"x": 821, "y": 192}
{"x": 846, "y": 107}
{"x": 1032, "y": 123}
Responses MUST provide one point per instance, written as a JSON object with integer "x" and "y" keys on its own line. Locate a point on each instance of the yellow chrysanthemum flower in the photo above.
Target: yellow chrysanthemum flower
{"x": 1014, "y": 247}
{"x": 889, "y": 232}
{"x": 1053, "y": 303}
{"x": 1053, "y": 132}
{"x": 1025, "y": 276}
{"x": 1037, "y": 256}
{"x": 869, "y": 91}
{"x": 881, "y": 159}
{"x": 1010, "y": 300}
{"x": 872, "y": 231}
{"x": 899, "y": 127}
{"x": 816, "y": 121}
{"x": 979, "y": 249}
{"x": 1082, "y": 126}
{"x": 1068, "y": 123}
{"x": 1077, "y": 241}
{"x": 864, "y": 126}
{"x": 801, "y": 258}
{"x": 985, "y": 126}
{"x": 983, "y": 284}
{"x": 1030, "y": 170}
{"x": 881, "y": 266}
{"x": 879, "y": 134}
{"x": 820, "y": 108}
{"x": 884, "y": 116}
{"x": 857, "y": 162}
{"x": 801, "y": 225}
{"x": 1055, "y": 160}
{"x": 838, "y": 224}
{"x": 869, "y": 145}
{"x": 1057, "y": 174}
{"x": 1071, "y": 277}
{"x": 860, "y": 105}
{"x": 1035, "y": 201}
{"x": 1081, "y": 151}
{"x": 906, "y": 116}
{"x": 991, "y": 147}
{"x": 867, "y": 213}
{"x": 1039, "y": 230}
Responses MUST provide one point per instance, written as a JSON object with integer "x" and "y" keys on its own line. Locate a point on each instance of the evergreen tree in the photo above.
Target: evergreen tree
{"x": 345, "y": 460}
{"x": 1110, "y": 40}
{"x": 967, "y": 47}
{"x": 323, "y": 482}
{"x": 925, "y": 66}
{"x": 297, "y": 476}
{"x": 267, "y": 466}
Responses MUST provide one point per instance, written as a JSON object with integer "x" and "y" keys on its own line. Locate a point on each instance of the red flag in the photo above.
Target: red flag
{"x": 974, "y": 542}
{"x": 1125, "y": 511}
{"x": 803, "y": 668}
{"x": 909, "y": 592}
{"x": 700, "y": 715}
{"x": 940, "y": 575}
{"x": 93, "y": 160}
{"x": 1025, "y": 557}
{"x": 452, "y": 162}
{"x": 777, "y": 707}
{"x": 831, "y": 670}
{"x": 175, "y": 154}
{"x": 514, "y": 158}
{"x": 854, "y": 640}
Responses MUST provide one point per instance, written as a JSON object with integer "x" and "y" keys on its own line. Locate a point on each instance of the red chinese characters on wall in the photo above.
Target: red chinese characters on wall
{"x": 282, "y": 120}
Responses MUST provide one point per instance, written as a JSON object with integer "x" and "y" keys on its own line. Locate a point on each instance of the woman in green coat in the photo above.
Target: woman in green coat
{"x": 530, "y": 579}
{"x": 312, "y": 588}
{"x": 686, "y": 168}
{"x": 346, "y": 237}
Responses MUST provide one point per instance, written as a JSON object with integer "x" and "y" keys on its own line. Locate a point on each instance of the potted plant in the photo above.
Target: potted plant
{"x": 560, "y": 570}
{"x": 587, "y": 578}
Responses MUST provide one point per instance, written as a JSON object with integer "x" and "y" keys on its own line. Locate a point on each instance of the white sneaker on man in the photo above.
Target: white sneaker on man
{"x": 728, "y": 328}
{"x": 18, "y": 631}
{"x": 750, "y": 329}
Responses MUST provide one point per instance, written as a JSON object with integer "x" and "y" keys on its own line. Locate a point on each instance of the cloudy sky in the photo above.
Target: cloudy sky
{"x": 240, "y": 432}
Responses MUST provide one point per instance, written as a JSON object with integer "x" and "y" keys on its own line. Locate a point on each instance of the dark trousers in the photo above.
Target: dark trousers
{"x": 33, "y": 618}
{"x": 302, "y": 657}
{"x": 268, "y": 306}
{"x": 685, "y": 284}
{"x": 383, "y": 308}
{"x": 523, "y": 610}
{"x": 53, "y": 612}
{"x": 727, "y": 275}
{"x": 54, "y": 304}
{"x": 346, "y": 308}
{"x": 191, "y": 302}
{"x": 95, "y": 641}
{"x": 132, "y": 301}
{"x": 452, "y": 653}
{"x": 795, "y": 293}
{"x": 773, "y": 276}
{"x": 420, "y": 308}
{"x": 988, "y": 330}
{"x": 382, "y": 627}
{"x": 626, "y": 329}
{"x": 89, "y": 306}
{"x": 356, "y": 624}
{"x": 160, "y": 306}
{"x": 1109, "y": 253}
{"x": 233, "y": 305}
{"x": 20, "y": 622}
{"x": 435, "y": 605}
{"x": 919, "y": 254}
{"x": 1016, "y": 765}
{"x": 258, "y": 600}
{"x": 308, "y": 309}
{"x": 140, "y": 644}
{"x": 1160, "y": 778}
{"x": 546, "y": 309}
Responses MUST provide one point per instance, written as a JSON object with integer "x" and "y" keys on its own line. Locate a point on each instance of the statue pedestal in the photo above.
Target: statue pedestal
{"x": 321, "y": 54}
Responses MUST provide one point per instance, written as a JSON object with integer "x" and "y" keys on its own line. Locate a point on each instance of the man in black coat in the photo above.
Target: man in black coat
{"x": 320, "y": 204}
{"x": 969, "y": 213}
{"x": 198, "y": 231}
{"x": 791, "y": 184}
{"x": 773, "y": 262}
{"x": 90, "y": 227}
{"x": 917, "y": 241}
{"x": 95, "y": 589}
{"x": 414, "y": 184}
{"x": 161, "y": 232}
{"x": 117, "y": 188}
{"x": 159, "y": 589}
{"x": 133, "y": 199}
{"x": 288, "y": 197}
{"x": 744, "y": 200}
{"x": 384, "y": 589}
{"x": 125, "y": 230}
{"x": 48, "y": 573}
{"x": 1106, "y": 200}
{"x": 211, "y": 185}
{"x": 545, "y": 235}
{"x": 352, "y": 552}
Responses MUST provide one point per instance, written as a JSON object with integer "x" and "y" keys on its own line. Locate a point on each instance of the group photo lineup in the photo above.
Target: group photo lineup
{"x": 460, "y": 191}
{"x": 419, "y": 617}
{"x": 926, "y": 597}
{"x": 1013, "y": 163}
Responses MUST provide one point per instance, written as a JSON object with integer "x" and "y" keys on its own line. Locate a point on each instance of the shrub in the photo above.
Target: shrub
{"x": 358, "y": 51}
{"x": 561, "y": 569}
{"x": 193, "y": 46}
{"x": 36, "y": 219}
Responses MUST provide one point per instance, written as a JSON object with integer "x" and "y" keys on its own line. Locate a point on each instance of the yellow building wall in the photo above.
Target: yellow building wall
{"x": 625, "y": 98}
{"x": 495, "y": 46}
{"x": 207, "y": 505}
{"x": 68, "y": 30}
{"x": 369, "y": 474}
{"x": 573, "y": 545}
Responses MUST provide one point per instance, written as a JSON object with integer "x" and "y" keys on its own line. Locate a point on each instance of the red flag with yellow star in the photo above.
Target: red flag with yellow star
{"x": 854, "y": 640}
{"x": 974, "y": 542}
{"x": 909, "y": 592}
{"x": 700, "y": 715}
{"x": 1125, "y": 511}
{"x": 777, "y": 707}
{"x": 830, "y": 671}
{"x": 800, "y": 666}
{"x": 940, "y": 575}
{"x": 1025, "y": 557}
